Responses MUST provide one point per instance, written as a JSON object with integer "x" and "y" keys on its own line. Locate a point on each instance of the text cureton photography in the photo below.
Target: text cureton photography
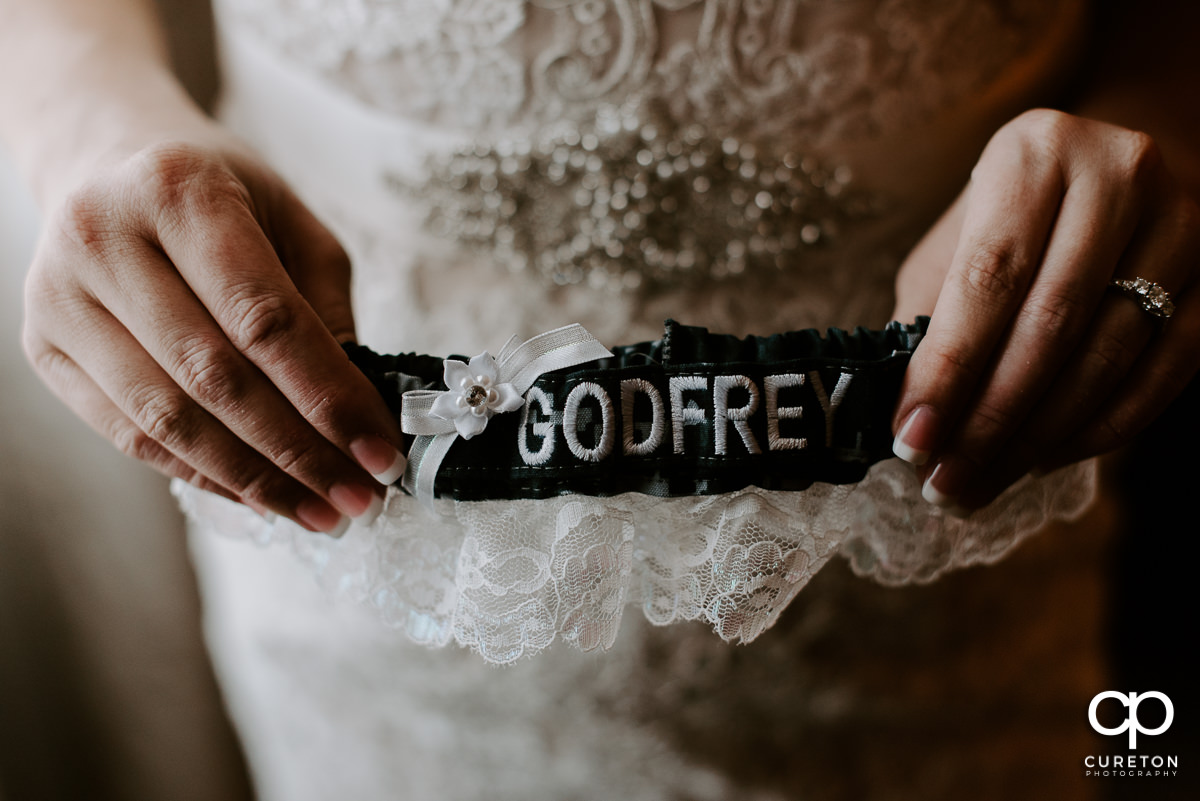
{"x": 1131, "y": 725}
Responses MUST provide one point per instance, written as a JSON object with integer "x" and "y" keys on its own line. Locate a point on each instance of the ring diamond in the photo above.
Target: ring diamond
{"x": 1150, "y": 296}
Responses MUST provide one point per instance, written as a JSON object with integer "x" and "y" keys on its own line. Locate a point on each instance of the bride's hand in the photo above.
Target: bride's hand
{"x": 1032, "y": 360}
{"x": 187, "y": 306}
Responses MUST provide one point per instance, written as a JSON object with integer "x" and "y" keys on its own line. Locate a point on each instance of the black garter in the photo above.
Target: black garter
{"x": 830, "y": 419}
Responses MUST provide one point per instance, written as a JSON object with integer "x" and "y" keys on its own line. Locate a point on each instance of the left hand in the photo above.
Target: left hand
{"x": 1031, "y": 361}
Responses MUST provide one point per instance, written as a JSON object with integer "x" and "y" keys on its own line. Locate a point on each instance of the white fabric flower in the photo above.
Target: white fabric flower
{"x": 475, "y": 394}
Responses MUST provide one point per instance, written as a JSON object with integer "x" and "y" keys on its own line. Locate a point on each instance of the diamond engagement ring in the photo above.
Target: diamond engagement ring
{"x": 1150, "y": 296}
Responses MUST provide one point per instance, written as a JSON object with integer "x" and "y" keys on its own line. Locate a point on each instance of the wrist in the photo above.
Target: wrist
{"x": 71, "y": 140}
{"x": 85, "y": 81}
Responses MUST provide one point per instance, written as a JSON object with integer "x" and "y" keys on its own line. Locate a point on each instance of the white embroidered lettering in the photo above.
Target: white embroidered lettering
{"x": 543, "y": 428}
{"x": 630, "y": 388}
{"x": 723, "y": 416}
{"x": 830, "y": 403}
{"x": 775, "y": 412}
{"x": 571, "y": 415}
{"x": 684, "y": 415}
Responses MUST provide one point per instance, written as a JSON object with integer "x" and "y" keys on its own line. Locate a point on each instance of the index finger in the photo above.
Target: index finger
{"x": 1012, "y": 203}
{"x": 223, "y": 254}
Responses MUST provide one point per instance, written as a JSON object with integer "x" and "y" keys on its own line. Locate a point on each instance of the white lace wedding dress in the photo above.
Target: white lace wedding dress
{"x": 500, "y": 167}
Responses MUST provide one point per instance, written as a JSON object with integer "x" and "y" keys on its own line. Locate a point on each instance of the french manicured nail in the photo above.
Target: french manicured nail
{"x": 945, "y": 485}
{"x": 934, "y": 495}
{"x": 317, "y": 515}
{"x": 379, "y": 458}
{"x": 352, "y": 500}
{"x": 917, "y": 437}
{"x": 372, "y": 512}
{"x": 338, "y": 531}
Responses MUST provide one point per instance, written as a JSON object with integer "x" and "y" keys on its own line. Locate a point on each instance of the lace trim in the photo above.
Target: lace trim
{"x": 509, "y": 578}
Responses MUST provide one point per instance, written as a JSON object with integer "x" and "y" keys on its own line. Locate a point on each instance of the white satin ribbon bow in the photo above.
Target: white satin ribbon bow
{"x": 479, "y": 389}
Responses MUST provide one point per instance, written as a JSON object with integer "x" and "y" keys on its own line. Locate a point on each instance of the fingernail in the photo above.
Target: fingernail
{"x": 372, "y": 512}
{"x": 379, "y": 458}
{"x": 917, "y": 436}
{"x": 338, "y": 531}
{"x": 352, "y": 500}
{"x": 932, "y": 494}
{"x": 945, "y": 486}
{"x": 317, "y": 515}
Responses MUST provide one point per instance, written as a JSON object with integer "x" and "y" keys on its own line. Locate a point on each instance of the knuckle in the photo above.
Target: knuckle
{"x": 1046, "y": 126}
{"x": 326, "y": 409}
{"x": 169, "y": 419}
{"x": 1142, "y": 154}
{"x": 265, "y": 487}
{"x": 50, "y": 364}
{"x": 199, "y": 480}
{"x": 43, "y": 357}
{"x": 298, "y": 459}
{"x": 41, "y": 292}
{"x": 209, "y": 372}
{"x": 184, "y": 180}
{"x": 257, "y": 488}
{"x": 261, "y": 319}
{"x": 135, "y": 443}
{"x": 991, "y": 270}
{"x": 953, "y": 365}
{"x": 277, "y": 477}
{"x": 1056, "y": 314}
{"x": 168, "y": 465}
{"x": 167, "y": 169}
{"x": 89, "y": 221}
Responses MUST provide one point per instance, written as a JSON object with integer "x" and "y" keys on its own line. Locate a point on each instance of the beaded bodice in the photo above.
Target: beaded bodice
{"x": 640, "y": 143}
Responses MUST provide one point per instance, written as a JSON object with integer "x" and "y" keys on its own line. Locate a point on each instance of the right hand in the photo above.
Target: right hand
{"x": 187, "y": 306}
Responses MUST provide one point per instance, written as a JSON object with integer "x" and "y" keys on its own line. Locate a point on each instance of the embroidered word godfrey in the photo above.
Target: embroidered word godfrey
{"x": 693, "y": 413}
